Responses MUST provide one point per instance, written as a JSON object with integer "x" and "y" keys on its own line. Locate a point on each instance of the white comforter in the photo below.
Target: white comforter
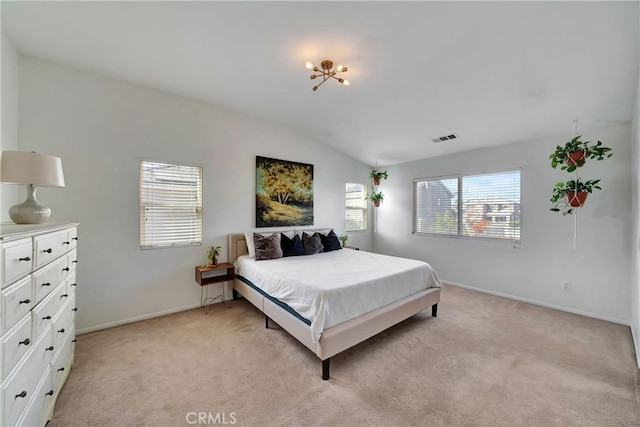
{"x": 332, "y": 287}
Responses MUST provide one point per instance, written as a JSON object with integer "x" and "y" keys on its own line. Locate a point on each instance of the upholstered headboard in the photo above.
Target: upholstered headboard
{"x": 237, "y": 246}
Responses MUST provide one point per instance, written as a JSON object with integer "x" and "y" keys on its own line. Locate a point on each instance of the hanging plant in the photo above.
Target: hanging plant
{"x": 575, "y": 153}
{"x": 376, "y": 197}
{"x": 376, "y": 175}
{"x": 572, "y": 194}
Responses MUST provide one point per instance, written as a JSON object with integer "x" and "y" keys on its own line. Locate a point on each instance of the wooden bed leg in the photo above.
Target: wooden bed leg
{"x": 266, "y": 321}
{"x": 434, "y": 310}
{"x": 325, "y": 369}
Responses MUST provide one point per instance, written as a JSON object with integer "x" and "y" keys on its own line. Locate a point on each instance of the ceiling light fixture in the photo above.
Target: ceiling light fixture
{"x": 326, "y": 72}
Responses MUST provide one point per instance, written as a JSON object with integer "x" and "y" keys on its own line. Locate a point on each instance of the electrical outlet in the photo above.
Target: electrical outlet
{"x": 566, "y": 286}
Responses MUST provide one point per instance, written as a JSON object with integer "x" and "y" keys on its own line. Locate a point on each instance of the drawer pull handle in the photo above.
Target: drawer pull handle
{"x": 74, "y": 309}
{"x": 46, "y": 318}
{"x": 74, "y": 262}
{"x": 61, "y": 331}
{"x": 64, "y": 295}
{"x": 25, "y": 342}
{"x": 75, "y": 238}
{"x": 27, "y": 258}
{"x": 65, "y": 269}
{"x": 66, "y": 243}
{"x": 49, "y": 393}
{"x": 50, "y": 348}
{"x": 61, "y": 369}
{"x": 74, "y": 340}
{"x": 74, "y": 284}
{"x": 25, "y": 301}
{"x": 46, "y": 284}
{"x": 48, "y": 250}
{"x": 23, "y": 394}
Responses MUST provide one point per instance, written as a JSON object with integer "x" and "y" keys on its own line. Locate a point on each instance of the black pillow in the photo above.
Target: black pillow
{"x": 330, "y": 242}
{"x": 312, "y": 244}
{"x": 267, "y": 247}
{"x": 291, "y": 247}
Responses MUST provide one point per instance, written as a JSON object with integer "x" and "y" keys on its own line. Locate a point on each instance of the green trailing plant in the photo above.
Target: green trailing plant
{"x": 571, "y": 194}
{"x": 376, "y": 197}
{"x": 376, "y": 175}
{"x": 576, "y": 152}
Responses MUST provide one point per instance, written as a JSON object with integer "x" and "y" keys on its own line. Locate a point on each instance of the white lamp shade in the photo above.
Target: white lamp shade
{"x": 23, "y": 167}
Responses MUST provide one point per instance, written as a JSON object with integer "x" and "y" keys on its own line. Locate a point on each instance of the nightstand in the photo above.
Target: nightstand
{"x": 204, "y": 282}
{"x": 351, "y": 247}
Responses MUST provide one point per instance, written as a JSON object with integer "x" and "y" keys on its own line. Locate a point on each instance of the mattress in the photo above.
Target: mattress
{"x": 332, "y": 287}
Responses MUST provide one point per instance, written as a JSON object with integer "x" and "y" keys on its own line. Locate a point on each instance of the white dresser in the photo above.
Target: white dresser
{"x": 37, "y": 318}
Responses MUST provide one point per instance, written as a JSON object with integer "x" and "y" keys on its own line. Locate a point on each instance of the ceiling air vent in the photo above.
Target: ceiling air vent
{"x": 445, "y": 138}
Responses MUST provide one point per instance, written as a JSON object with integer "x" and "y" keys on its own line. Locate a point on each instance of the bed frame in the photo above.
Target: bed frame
{"x": 339, "y": 337}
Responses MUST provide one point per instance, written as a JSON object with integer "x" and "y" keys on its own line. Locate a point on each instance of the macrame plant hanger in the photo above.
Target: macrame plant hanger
{"x": 576, "y": 178}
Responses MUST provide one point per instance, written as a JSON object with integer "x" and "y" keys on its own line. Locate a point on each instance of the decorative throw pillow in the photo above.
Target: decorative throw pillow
{"x": 330, "y": 242}
{"x": 267, "y": 247}
{"x": 291, "y": 247}
{"x": 312, "y": 244}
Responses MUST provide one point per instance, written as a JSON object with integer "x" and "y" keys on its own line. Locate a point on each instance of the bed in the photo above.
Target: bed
{"x": 318, "y": 323}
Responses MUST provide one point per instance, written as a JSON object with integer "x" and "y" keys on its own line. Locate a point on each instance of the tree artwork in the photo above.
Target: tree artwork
{"x": 284, "y": 193}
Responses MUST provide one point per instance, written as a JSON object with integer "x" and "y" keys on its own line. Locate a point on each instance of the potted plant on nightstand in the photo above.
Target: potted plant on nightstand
{"x": 572, "y": 194}
{"x": 375, "y": 197}
{"x": 376, "y": 175}
{"x": 575, "y": 153}
{"x": 343, "y": 239}
{"x": 212, "y": 255}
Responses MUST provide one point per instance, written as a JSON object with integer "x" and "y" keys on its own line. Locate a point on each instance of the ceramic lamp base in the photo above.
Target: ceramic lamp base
{"x": 30, "y": 211}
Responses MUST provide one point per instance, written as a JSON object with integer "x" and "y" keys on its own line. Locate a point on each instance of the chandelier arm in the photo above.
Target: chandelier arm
{"x": 320, "y": 84}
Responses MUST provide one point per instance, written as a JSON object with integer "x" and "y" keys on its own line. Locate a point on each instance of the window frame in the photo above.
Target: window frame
{"x": 199, "y": 207}
{"x": 364, "y": 209}
{"x": 459, "y": 206}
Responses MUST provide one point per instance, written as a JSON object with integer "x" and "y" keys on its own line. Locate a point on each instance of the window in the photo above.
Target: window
{"x": 170, "y": 205}
{"x": 356, "y": 207}
{"x": 484, "y": 205}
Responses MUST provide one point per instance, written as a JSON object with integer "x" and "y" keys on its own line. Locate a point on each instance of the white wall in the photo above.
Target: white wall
{"x": 9, "y": 121}
{"x": 598, "y": 270}
{"x": 102, "y": 127}
{"x": 635, "y": 243}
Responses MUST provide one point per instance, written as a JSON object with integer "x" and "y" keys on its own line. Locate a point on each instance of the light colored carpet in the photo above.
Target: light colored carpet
{"x": 484, "y": 361}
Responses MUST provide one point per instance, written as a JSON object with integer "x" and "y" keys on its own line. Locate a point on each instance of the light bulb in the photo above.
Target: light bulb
{"x": 346, "y": 82}
{"x": 339, "y": 68}
{"x": 309, "y": 65}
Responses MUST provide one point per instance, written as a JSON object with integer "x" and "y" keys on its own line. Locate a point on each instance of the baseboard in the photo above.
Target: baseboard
{"x": 636, "y": 346}
{"x": 540, "y": 303}
{"x": 135, "y": 319}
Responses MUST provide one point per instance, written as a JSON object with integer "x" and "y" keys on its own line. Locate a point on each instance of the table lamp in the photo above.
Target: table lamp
{"x": 33, "y": 170}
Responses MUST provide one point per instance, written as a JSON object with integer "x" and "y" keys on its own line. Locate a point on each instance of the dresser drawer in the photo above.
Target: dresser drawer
{"x": 63, "y": 322}
{"x": 72, "y": 284}
{"x": 16, "y": 260}
{"x": 16, "y": 302}
{"x": 17, "y": 391}
{"x": 72, "y": 260}
{"x": 62, "y": 364}
{"x": 39, "y": 404}
{"x": 47, "y": 278}
{"x": 15, "y": 344}
{"x": 72, "y": 237}
{"x": 49, "y": 247}
{"x": 46, "y": 311}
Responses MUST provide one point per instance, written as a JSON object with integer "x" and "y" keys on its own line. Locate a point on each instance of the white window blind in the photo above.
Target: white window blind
{"x": 485, "y": 205}
{"x": 356, "y": 207}
{"x": 170, "y": 205}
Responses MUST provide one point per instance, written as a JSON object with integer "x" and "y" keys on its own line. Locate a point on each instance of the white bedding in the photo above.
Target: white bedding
{"x": 332, "y": 287}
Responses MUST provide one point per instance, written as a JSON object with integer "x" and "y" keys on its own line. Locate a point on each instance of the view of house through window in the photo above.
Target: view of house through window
{"x": 484, "y": 205}
{"x": 356, "y": 207}
{"x": 170, "y": 205}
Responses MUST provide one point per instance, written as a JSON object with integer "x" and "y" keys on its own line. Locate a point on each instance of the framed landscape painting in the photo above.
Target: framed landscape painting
{"x": 284, "y": 193}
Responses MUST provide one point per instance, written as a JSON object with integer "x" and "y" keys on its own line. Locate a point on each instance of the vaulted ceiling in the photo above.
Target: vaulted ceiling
{"x": 493, "y": 73}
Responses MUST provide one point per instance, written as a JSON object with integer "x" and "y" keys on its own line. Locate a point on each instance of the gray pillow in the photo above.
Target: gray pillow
{"x": 312, "y": 244}
{"x": 267, "y": 247}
